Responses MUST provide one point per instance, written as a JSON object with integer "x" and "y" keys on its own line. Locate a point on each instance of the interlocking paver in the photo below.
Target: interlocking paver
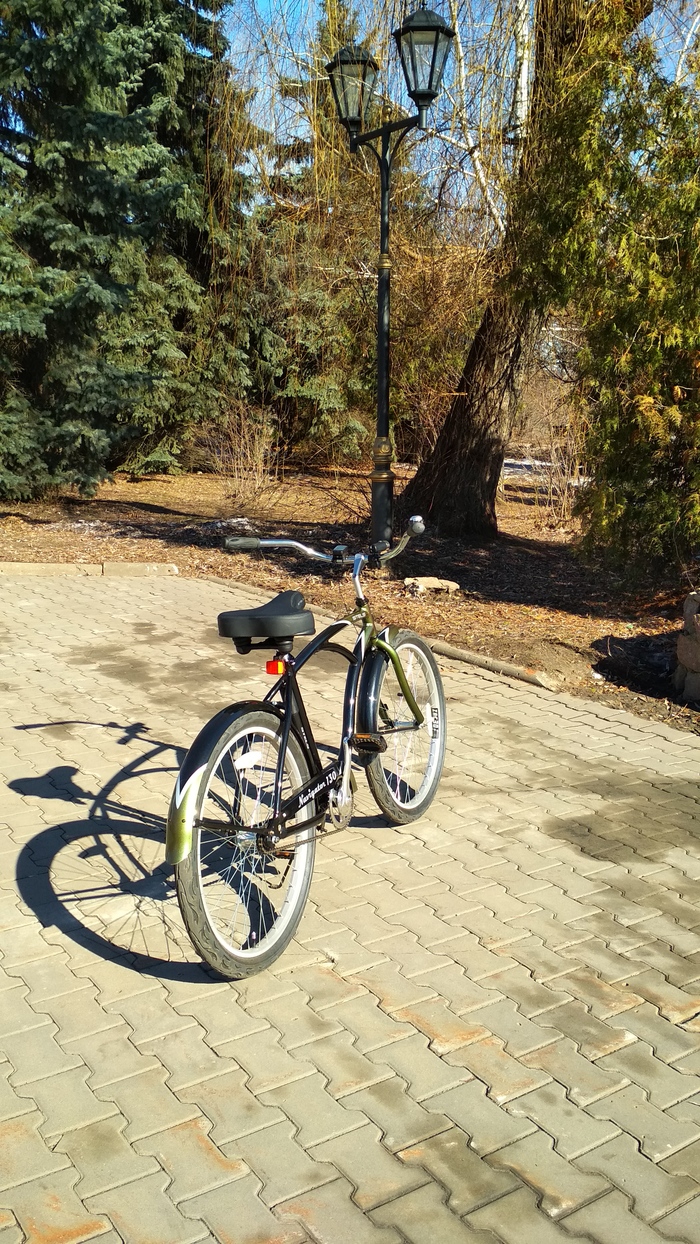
{"x": 48, "y": 1208}
{"x": 332, "y": 1217}
{"x": 111, "y": 1055}
{"x": 561, "y": 1186}
{"x": 376, "y": 1175}
{"x": 324, "y": 987}
{"x": 487, "y": 1124}
{"x": 515, "y": 1219}
{"x": 668, "y": 1041}
{"x": 285, "y": 1168}
{"x": 543, "y": 963}
{"x": 221, "y": 1021}
{"x": 236, "y": 1214}
{"x": 520, "y": 1034}
{"x": 16, "y": 1015}
{"x": 36, "y": 1054}
{"x": 574, "y": 1129}
{"x": 295, "y": 1020}
{"x": 77, "y": 1014}
{"x": 24, "y": 944}
{"x": 343, "y": 1066}
{"x": 142, "y": 1213}
{"x": 423, "y": 1070}
{"x": 115, "y": 979}
{"x": 677, "y": 969}
{"x": 266, "y": 1061}
{"x": 674, "y": 1004}
{"x": 65, "y": 1101}
{"x": 187, "y": 1057}
{"x": 658, "y": 1132}
{"x": 601, "y": 998}
{"x": 506, "y": 1077}
{"x": 593, "y": 1037}
{"x": 685, "y": 1161}
{"x": 192, "y": 1161}
{"x": 542, "y": 921}
{"x": 663, "y": 1084}
{"x": 584, "y": 1081}
{"x": 402, "y": 1120}
{"x": 371, "y": 1027}
{"x": 444, "y": 1030}
{"x": 468, "y": 1178}
{"x": 610, "y": 1220}
{"x": 478, "y": 962}
{"x": 414, "y": 959}
{"x": 23, "y": 1154}
{"x": 149, "y": 1015}
{"x": 654, "y": 1190}
{"x": 10, "y": 1104}
{"x": 147, "y": 1103}
{"x": 422, "y": 1217}
{"x": 393, "y": 990}
{"x": 47, "y": 978}
{"x": 532, "y": 997}
{"x": 606, "y": 963}
{"x": 682, "y": 1224}
{"x": 311, "y": 1107}
{"x": 103, "y": 1157}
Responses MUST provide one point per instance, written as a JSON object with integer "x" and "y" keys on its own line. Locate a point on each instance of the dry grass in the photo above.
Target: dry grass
{"x": 525, "y": 597}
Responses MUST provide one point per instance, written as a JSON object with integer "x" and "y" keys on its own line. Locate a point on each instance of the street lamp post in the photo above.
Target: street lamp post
{"x": 423, "y": 42}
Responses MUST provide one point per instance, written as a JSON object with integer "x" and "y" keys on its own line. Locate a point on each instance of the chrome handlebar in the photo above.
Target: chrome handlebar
{"x": 339, "y": 556}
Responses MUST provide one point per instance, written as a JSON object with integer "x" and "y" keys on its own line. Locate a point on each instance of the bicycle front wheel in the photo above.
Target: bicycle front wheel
{"x": 241, "y": 904}
{"x": 405, "y": 777}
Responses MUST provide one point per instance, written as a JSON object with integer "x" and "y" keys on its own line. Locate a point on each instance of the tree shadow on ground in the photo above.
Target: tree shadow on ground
{"x": 641, "y": 663}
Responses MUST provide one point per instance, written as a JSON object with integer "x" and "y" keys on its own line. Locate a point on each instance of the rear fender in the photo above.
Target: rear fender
{"x": 178, "y": 832}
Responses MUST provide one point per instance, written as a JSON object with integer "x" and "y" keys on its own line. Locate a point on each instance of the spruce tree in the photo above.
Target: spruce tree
{"x": 106, "y": 226}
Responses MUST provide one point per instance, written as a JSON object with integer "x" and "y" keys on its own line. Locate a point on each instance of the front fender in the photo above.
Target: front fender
{"x": 178, "y": 831}
{"x": 368, "y": 694}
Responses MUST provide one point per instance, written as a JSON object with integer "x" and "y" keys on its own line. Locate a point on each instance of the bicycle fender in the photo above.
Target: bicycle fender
{"x": 178, "y": 832}
{"x": 368, "y": 693}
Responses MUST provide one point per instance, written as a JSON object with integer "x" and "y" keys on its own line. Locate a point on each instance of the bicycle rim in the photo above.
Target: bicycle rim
{"x": 412, "y": 761}
{"x": 251, "y": 900}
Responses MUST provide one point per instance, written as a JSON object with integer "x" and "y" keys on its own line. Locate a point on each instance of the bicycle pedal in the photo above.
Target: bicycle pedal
{"x": 368, "y": 744}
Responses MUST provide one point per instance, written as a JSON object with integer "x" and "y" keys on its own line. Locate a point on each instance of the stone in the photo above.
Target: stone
{"x": 428, "y": 583}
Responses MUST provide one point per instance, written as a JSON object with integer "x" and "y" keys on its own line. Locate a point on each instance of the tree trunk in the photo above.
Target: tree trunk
{"x": 455, "y": 487}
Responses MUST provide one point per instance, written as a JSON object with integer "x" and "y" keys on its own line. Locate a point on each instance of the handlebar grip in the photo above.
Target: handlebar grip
{"x": 242, "y": 544}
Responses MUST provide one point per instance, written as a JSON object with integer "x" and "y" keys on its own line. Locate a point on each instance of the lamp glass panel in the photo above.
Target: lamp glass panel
{"x": 423, "y": 42}
{"x": 350, "y": 92}
{"x": 370, "y": 79}
{"x": 441, "y": 55}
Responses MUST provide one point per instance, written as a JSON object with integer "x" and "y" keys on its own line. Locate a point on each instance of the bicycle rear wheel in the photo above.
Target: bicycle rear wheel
{"x": 404, "y": 778}
{"x": 241, "y": 904}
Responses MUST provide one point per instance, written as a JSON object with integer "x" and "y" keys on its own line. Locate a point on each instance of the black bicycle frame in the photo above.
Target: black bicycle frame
{"x": 294, "y": 716}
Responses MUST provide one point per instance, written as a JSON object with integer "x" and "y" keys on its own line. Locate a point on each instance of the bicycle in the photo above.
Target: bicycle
{"x": 253, "y": 795}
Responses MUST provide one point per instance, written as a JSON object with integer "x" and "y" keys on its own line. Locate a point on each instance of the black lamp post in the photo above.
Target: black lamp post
{"x": 423, "y": 41}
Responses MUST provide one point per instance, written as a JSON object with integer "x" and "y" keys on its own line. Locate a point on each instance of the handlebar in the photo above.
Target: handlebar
{"x": 339, "y": 556}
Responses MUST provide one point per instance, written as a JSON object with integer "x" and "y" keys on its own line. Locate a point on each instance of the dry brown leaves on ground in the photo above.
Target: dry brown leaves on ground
{"x": 526, "y": 597}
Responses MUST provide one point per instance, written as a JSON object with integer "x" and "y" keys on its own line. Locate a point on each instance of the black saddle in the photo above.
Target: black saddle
{"x": 280, "y": 619}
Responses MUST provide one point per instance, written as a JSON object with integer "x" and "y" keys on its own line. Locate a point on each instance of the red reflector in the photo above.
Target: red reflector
{"x": 274, "y": 667}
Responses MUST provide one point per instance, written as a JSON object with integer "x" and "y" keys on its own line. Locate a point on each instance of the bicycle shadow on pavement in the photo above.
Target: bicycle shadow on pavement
{"x": 99, "y": 876}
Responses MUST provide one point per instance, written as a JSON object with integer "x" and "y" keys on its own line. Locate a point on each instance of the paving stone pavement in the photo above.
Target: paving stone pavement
{"x": 487, "y": 1028}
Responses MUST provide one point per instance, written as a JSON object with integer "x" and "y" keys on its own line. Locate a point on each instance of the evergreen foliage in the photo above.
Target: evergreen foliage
{"x": 640, "y": 307}
{"x": 106, "y": 236}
